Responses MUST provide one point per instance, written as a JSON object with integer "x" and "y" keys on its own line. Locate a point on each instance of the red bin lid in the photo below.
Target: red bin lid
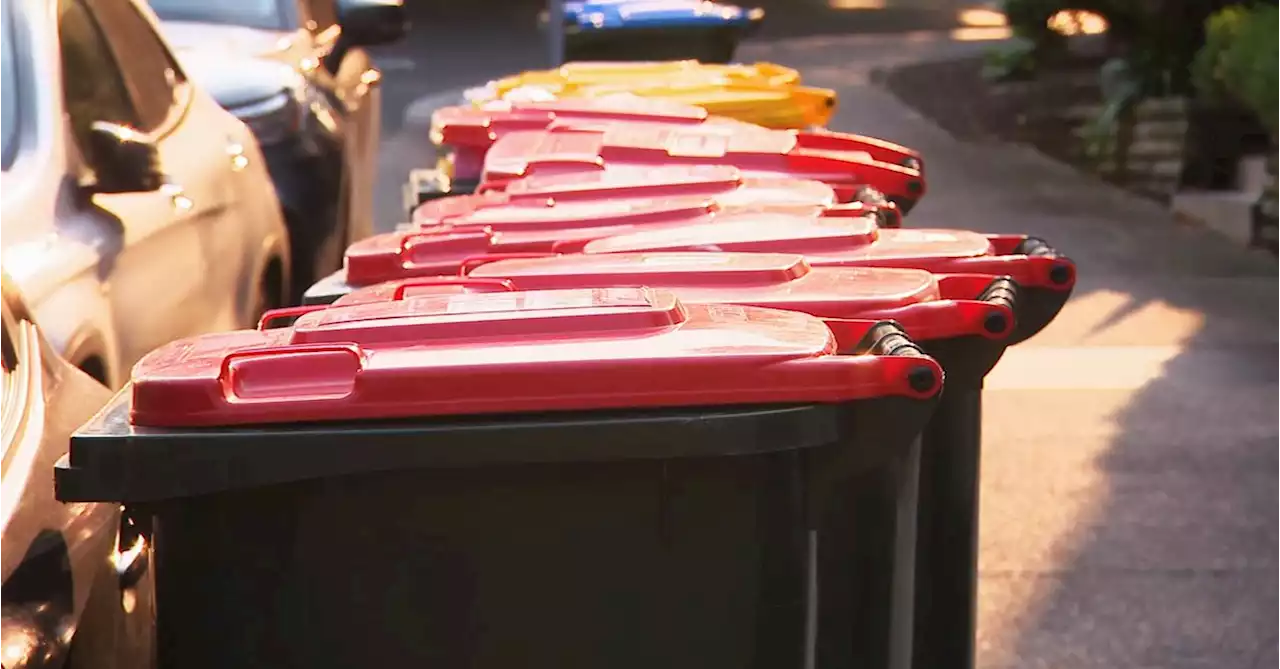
{"x": 503, "y": 215}
{"x": 773, "y": 280}
{"x": 724, "y": 183}
{"x": 823, "y": 240}
{"x": 480, "y": 126}
{"x": 754, "y": 232}
{"x": 757, "y": 153}
{"x": 508, "y": 352}
{"x": 425, "y": 252}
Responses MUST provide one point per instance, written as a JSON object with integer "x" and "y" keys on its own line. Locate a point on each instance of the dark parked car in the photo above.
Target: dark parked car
{"x": 296, "y": 72}
{"x": 77, "y": 588}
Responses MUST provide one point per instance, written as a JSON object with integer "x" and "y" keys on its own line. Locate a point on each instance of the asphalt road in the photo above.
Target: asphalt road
{"x": 454, "y": 45}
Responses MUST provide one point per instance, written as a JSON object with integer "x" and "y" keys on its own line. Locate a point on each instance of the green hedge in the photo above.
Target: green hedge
{"x": 1158, "y": 38}
{"x": 1238, "y": 61}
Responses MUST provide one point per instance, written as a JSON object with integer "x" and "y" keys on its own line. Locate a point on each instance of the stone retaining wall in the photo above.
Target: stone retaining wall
{"x": 1265, "y": 210}
{"x": 1146, "y": 149}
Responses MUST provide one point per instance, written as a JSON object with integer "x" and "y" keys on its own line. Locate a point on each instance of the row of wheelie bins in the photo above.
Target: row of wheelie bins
{"x": 634, "y": 385}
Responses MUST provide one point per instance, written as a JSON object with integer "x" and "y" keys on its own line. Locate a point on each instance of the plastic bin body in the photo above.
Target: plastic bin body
{"x": 775, "y": 154}
{"x": 468, "y": 131}
{"x": 627, "y": 30}
{"x": 946, "y": 578}
{"x": 965, "y": 321}
{"x": 447, "y": 482}
{"x": 763, "y": 93}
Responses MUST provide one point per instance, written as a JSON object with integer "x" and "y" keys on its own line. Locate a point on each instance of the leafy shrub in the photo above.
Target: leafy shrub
{"x": 1158, "y": 38}
{"x": 1009, "y": 62}
{"x": 1238, "y": 61}
{"x": 1221, "y": 31}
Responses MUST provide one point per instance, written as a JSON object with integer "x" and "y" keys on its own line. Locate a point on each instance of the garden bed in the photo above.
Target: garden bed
{"x": 1042, "y": 112}
{"x": 1051, "y": 113}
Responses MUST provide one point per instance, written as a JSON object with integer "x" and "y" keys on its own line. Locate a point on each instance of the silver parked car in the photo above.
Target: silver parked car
{"x": 297, "y": 72}
{"x": 135, "y": 209}
{"x": 77, "y": 583}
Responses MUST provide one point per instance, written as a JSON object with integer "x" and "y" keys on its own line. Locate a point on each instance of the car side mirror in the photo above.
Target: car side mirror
{"x": 372, "y": 22}
{"x": 123, "y": 160}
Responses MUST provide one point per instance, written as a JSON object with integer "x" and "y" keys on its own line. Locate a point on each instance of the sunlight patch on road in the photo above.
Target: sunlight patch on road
{"x": 1081, "y": 368}
{"x": 1108, "y": 317}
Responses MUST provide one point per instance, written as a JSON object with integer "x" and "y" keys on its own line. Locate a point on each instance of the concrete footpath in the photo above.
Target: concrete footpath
{"x": 1129, "y": 491}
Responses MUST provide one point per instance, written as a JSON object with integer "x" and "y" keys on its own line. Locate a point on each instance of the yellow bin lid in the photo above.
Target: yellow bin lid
{"x": 762, "y": 93}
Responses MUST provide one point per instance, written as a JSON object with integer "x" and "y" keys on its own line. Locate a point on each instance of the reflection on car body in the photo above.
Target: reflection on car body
{"x": 148, "y": 214}
{"x": 69, "y": 588}
{"x": 296, "y": 73}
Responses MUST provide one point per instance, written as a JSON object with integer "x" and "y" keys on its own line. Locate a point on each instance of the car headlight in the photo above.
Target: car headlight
{"x": 283, "y": 115}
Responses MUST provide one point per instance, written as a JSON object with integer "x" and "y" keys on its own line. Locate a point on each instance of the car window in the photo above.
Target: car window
{"x": 263, "y": 14}
{"x": 92, "y": 88}
{"x": 323, "y": 13}
{"x": 150, "y": 73}
{"x": 9, "y": 123}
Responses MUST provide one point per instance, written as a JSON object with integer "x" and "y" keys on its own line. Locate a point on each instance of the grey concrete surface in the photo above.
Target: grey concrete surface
{"x": 1129, "y": 493}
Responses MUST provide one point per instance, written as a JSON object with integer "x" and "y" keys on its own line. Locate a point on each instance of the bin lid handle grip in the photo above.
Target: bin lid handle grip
{"x": 470, "y": 263}
{"x": 287, "y": 312}
{"x": 288, "y": 378}
{"x": 404, "y": 286}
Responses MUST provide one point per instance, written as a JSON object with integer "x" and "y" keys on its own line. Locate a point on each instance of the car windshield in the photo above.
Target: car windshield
{"x": 264, "y": 14}
{"x": 8, "y": 91}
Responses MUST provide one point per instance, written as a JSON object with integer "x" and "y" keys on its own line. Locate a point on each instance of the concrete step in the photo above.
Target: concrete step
{"x": 1251, "y": 174}
{"x": 1227, "y": 212}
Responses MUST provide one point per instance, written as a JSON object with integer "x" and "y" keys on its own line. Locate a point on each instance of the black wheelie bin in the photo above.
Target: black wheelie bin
{"x": 577, "y": 478}
{"x": 967, "y": 319}
{"x": 946, "y": 566}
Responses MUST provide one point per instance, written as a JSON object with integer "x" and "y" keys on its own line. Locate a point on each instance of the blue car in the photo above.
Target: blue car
{"x": 627, "y": 30}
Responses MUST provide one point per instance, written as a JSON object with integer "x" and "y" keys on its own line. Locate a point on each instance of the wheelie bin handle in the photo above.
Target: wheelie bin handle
{"x": 1060, "y": 274}
{"x": 404, "y": 286}
{"x": 470, "y": 263}
{"x": 886, "y": 213}
{"x": 977, "y": 313}
{"x": 287, "y": 312}
{"x": 1002, "y": 291}
{"x": 887, "y": 338}
{"x": 1051, "y": 272}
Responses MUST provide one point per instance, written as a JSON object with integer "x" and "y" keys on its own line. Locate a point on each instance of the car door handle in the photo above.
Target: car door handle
{"x": 177, "y": 196}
